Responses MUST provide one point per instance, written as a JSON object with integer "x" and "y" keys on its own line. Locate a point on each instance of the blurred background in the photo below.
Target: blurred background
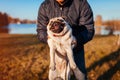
{"x": 23, "y": 56}
{"x": 17, "y": 15}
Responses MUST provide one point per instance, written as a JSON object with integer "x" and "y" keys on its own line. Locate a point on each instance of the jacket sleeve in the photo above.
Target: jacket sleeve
{"x": 86, "y": 24}
{"x": 41, "y": 24}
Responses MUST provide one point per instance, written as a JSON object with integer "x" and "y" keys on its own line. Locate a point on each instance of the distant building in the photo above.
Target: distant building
{"x": 98, "y": 21}
{"x": 98, "y": 24}
{"x": 100, "y": 28}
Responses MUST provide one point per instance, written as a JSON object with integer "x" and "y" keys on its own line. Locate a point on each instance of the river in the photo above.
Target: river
{"x": 22, "y": 28}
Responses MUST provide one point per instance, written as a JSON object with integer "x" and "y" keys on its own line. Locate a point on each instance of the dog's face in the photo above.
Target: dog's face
{"x": 56, "y": 25}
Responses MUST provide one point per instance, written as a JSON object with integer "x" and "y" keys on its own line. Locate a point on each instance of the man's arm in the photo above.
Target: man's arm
{"x": 41, "y": 24}
{"x": 86, "y": 24}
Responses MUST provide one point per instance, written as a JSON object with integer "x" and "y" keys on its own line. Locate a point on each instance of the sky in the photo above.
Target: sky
{"x": 28, "y": 9}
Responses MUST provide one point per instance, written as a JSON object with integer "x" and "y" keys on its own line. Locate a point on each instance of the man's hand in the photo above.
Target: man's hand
{"x": 42, "y": 36}
{"x": 74, "y": 42}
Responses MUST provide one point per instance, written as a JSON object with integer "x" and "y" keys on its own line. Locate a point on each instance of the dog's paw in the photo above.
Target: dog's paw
{"x": 74, "y": 43}
{"x": 78, "y": 74}
{"x": 73, "y": 66}
{"x": 52, "y": 67}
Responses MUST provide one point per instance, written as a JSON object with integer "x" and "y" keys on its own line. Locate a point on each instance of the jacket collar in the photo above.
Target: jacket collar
{"x": 66, "y": 3}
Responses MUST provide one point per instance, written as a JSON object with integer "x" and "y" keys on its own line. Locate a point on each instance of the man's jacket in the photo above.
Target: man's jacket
{"x": 77, "y": 13}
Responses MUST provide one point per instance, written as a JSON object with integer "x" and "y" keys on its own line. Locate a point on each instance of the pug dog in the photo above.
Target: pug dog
{"x": 61, "y": 43}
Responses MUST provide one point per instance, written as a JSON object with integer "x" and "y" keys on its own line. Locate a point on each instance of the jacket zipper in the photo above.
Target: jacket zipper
{"x": 61, "y": 8}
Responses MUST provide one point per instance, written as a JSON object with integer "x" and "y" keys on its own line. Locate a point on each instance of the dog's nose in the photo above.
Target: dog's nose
{"x": 56, "y": 25}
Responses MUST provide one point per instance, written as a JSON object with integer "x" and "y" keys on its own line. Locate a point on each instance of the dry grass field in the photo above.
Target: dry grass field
{"x": 23, "y": 57}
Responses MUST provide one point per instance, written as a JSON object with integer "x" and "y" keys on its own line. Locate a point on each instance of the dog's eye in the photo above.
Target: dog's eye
{"x": 51, "y": 23}
{"x": 63, "y": 24}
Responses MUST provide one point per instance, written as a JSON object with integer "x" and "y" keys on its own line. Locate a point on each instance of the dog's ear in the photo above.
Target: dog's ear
{"x": 60, "y": 20}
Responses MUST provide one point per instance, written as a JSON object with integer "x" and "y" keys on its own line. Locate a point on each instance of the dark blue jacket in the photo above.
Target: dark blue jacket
{"x": 77, "y": 13}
